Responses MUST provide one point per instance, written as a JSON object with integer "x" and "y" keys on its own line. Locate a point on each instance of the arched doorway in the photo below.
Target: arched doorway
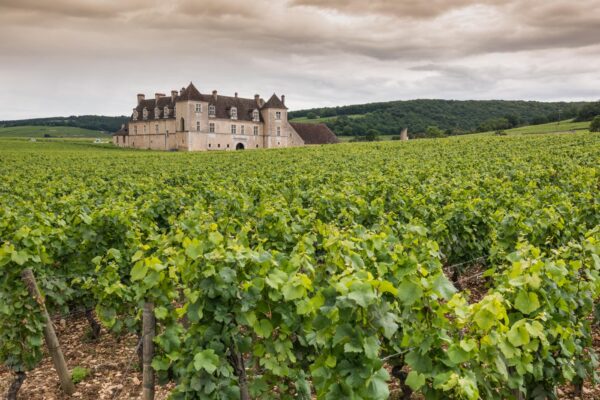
{"x": 182, "y": 125}
{"x": 240, "y": 146}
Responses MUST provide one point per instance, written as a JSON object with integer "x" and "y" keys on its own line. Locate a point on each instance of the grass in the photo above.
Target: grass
{"x": 553, "y": 127}
{"x": 54, "y": 131}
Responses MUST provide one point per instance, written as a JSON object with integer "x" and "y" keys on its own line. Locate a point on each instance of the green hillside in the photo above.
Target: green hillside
{"x": 568, "y": 126}
{"x": 91, "y": 122}
{"x": 451, "y": 116}
{"x": 50, "y": 131}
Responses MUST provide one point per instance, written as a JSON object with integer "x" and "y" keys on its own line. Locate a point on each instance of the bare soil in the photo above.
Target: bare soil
{"x": 113, "y": 364}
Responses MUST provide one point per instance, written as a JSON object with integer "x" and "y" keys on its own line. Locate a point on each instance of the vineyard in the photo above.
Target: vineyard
{"x": 461, "y": 268}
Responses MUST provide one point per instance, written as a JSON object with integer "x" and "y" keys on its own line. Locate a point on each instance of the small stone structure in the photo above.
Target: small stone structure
{"x": 404, "y": 134}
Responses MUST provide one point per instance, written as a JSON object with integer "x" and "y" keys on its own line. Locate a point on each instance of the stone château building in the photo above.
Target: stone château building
{"x": 191, "y": 121}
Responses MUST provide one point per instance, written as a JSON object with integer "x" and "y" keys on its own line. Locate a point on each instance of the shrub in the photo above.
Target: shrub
{"x": 78, "y": 374}
{"x": 500, "y": 133}
{"x": 595, "y": 125}
{"x": 434, "y": 132}
{"x": 372, "y": 135}
{"x": 589, "y": 111}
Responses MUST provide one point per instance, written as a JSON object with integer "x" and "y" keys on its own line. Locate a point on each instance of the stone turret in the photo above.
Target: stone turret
{"x": 404, "y": 134}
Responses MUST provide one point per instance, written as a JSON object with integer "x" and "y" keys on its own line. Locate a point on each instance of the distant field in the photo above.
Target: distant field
{"x": 554, "y": 127}
{"x": 321, "y": 120}
{"x": 54, "y": 131}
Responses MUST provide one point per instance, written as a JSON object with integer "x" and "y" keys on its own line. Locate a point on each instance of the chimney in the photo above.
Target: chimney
{"x": 181, "y": 91}
{"x": 236, "y": 95}
{"x": 141, "y": 97}
{"x": 283, "y": 99}
{"x": 257, "y": 98}
{"x": 158, "y": 96}
{"x": 261, "y": 102}
{"x": 215, "y": 95}
{"x": 173, "y": 95}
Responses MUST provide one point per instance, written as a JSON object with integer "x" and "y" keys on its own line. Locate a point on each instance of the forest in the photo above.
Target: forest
{"x": 93, "y": 122}
{"x": 450, "y": 116}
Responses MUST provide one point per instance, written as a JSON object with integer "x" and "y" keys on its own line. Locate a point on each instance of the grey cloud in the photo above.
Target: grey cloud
{"x": 319, "y": 52}
{"x": 74, "y": 8}
{"x": 401, "y": 9}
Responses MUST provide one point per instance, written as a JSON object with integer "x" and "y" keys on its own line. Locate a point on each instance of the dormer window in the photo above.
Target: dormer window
{"x": 198, "y": 108}
{"x": 145, "y": 113}
{"x": 157, "y": 113}
{"x": 135, "y": 115}
{"x": 278, "y": 115}
{"x": 212, "y": 110}
{"x": 233, "y": 113}
{"x": 255, "y": 116}
{"x": 166, "y": 112}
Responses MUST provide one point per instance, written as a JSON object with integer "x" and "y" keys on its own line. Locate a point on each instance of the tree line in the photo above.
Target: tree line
{"x": 424, "y": 118}
{"x": 93, "y": 122}
{"x": 451, "y": 117}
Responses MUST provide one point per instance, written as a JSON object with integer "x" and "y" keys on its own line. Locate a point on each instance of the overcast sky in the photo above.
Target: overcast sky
{"x": 72, "y": 57}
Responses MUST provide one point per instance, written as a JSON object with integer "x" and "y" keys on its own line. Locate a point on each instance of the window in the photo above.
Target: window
{"x": 198, "y": 126}
{"x": 219, "y": 145}
{"x": 211, "y": 127}
{"x": 145, "y": 113}
{"x": 278, "y": 115}
{"x": 209, "y": 145}
{"x": 166, "y": 112}
{"x": 135, "y": 115}
{"x": 233, "y": 129}
{"x": 255, "y": 116}
{"x": 212, "y": 111}
{"x": 256, "y": 131}
{"x": 227, "y": 146}
{"x": 243, "y": 129}
{"x": 135, "y": 129}
{"x": 233, "y": 113}
{"x": 144, "y": 129}
{"x": 156, "y": 113}
{"x": 278, "y": 131}
{"x": 156, "y": 128}
{"x": 198, "y": 108}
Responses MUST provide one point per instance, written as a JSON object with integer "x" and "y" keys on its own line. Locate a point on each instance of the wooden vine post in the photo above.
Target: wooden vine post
{"x": 148, "y": 327}
{"x": 58, "y": 359}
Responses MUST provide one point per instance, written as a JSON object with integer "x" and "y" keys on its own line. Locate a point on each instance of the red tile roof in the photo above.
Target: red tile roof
{"x": 315, "y": 133}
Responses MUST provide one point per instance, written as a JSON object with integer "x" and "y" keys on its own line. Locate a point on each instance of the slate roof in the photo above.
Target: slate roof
{"x": 190, "y": 94}
{"x": 315, "y": 133}
{"x": 223, "y": 104}
{"x": 274, "y": 102}
{"x": 122, "y": 132}
{"x": 150, "y": 105}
